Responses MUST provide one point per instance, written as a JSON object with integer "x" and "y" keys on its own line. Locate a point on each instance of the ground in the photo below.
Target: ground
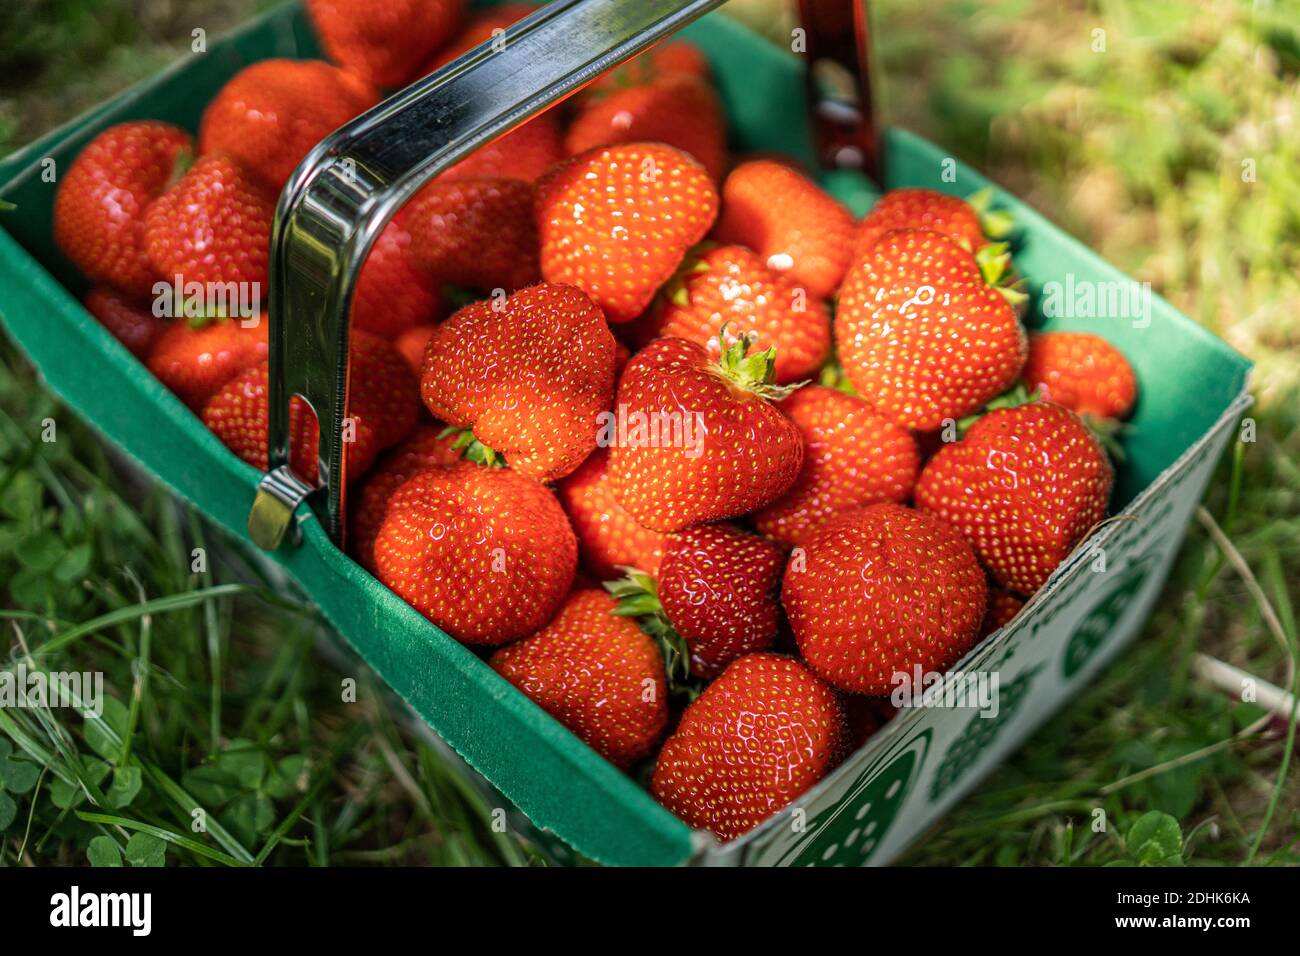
{"x": 1162, "y": 133}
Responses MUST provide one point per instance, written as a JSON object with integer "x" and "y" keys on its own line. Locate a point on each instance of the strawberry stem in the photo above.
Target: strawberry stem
{"x": 471, "y": 449}
{"x": 637, "y": 595}
{"x": 996, "y": 223}
{"x": 752, "y": 373}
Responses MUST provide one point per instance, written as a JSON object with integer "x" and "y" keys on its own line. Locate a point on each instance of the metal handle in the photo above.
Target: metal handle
{"x": 348, "y": 188}
{"x": 839, "y": 85}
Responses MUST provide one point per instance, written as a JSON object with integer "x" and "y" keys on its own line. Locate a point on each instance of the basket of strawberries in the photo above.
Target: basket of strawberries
{"x": 713, "y": 504}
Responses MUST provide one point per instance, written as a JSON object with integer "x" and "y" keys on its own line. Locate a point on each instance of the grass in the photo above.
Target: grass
{"x": 222, "y": 699}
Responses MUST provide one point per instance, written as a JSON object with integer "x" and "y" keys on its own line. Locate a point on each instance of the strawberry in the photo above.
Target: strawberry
{"x": 1002, "y": 610}
{"x": 132, "y": 324}
{"x": 921, "y": 209}
{"x": 428, "y": 446}
{"x": 608, "y": 537}
{"x": 476, "y": 232}
{"x": 385, "y": 43}
{"x": 528, "y": 375}
{"x": 1081, "y": 372}
{"x": 483, "y": 25}
{"x": 383, "y": 405}
{"x": 394, "y": 292}
{"x": 195, "y": 358}
{"x": 698, "y": 440}
{"x": 617, "y": 221}
{"x": 269, "y": 115}
{"x": 525, "y": 152}
{"x": 759, "y": 736}
{"x": 678, "y": 109}
{"x": 411, "y": 345}
{"x": 1024, "y": 486}
{"x": 730, "y": 286}
{"x": 714, "y": 599}
{"x": 484, "y": 553}
{"x": 852, "y": 458}
{"x": 879, "y": 591}
{"x": 101, "y": 200}
{"x": 596, "y": 673}
{"x": 793, "y": 225}
{"x": 212, "y": 226}
{"x": 921, "y": 335}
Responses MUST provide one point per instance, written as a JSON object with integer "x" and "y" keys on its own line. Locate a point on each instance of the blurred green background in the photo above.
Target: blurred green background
{"x": 1161, "y": 132}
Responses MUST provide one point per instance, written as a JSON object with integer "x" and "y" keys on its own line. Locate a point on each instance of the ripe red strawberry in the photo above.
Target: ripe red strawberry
{"x": 698, "y": 440}
{"x": 528, "y": 375}
{"x": 609, "y": 538}
{"x": 132, "y": 324}
{"x": 717, "y": 590}
{"x": 484, "y": 553}
{"x": 428, "y": 446}
{"x": 920, "y": 209}
{"x": 383, "y": 406}
{"x": 730, "y": 286}
{"x": 617, "y": 221}
{"x": 393, "y": 291}
{"x": 759, "y": 736}
{"x": 476, "y": 232}
{"x": 100, "y": 204}
{"x": 598, "y": 674}
{"x": 385, "y": 43}
{"x": 793, "y": 225}
{"x": 1002, "y": 610}
{"x": 526, "y": 152}
{"x": 879, "y": 591}
{"x": 269, "y": 115}
{"x": 195, "y": 358}
{"x": 678, "y": 109}
{"x": 1081, "y": 372}
{"x": 411, "y": 345}
{"x": 482, "y": 27}
{"x": 852, "y": 458}
{"x": 1024, "y": 486}
{"x": 212, "y": 226}
{"x": 921, "y": 335}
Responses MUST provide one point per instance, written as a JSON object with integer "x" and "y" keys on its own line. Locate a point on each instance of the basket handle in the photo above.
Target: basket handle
{"x": 347, "y": 189}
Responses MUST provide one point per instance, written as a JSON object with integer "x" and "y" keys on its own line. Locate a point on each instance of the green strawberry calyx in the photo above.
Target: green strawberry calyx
{"x": 637, "y": 594}
{"x": 676, "y": 290}
{"x": 996, "y": 223}
{"x": 832, "y": 375}
{"x": 755, "y": 372}
{"x": 994, "y": 261}
{"x": 471, "y": 449}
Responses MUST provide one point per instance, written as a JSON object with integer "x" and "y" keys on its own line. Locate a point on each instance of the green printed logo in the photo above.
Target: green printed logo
{"x": 1101, "y": 622}
{"x": 979, "y": 733}
{"x": 848, "y": 833}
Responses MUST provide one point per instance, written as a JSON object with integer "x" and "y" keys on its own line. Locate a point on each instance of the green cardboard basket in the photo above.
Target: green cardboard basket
{"x": 1192, "y": 392}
